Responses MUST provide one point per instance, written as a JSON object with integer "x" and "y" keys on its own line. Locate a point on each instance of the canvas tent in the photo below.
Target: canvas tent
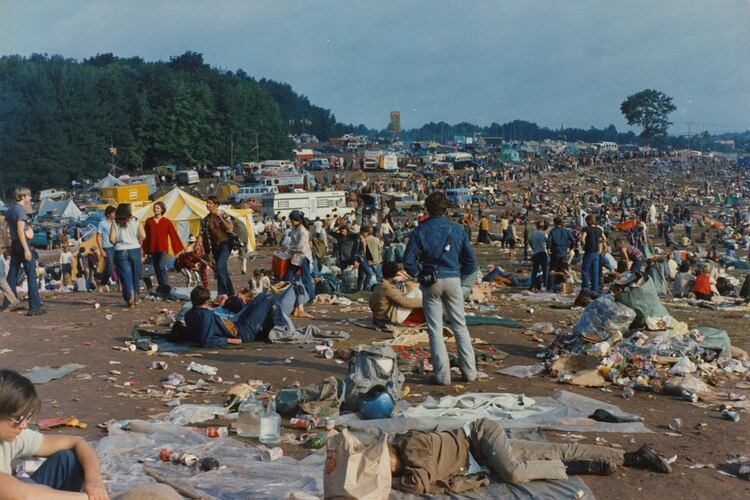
{"x": 65, "y": 209}
{"x": 108, "y": 181}
{"x": 186, "y": 212}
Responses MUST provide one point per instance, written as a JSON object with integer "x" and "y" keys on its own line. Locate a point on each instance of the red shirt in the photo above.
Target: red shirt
{"x": 159, "y": 235}
{"x": 702, "y": 284}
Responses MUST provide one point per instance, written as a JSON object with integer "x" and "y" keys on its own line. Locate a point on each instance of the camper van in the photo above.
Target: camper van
{"x": 248, "y": 192}
{"x": 458, "y": 195}
{"x": 187, "y": 177}
{"x": 312, "y": 204}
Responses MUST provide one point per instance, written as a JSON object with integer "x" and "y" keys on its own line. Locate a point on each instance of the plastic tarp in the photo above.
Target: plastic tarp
{"x": 563, "y": 411}
{"x": 602, "y": 318}
{"x": 716, "y": 339}
{"x": 644, "y": 300}
{"x": 242, "y": 472}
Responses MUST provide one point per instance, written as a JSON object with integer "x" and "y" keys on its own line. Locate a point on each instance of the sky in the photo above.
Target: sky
{"x": 552, "y": 62}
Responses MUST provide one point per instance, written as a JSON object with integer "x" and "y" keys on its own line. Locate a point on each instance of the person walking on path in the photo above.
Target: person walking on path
{"x": 217, "y": 229}
{"x": 440, "y": 254}
{"x": 539, "y": 256}
{"x": 126, "y": 234}
{"x": 301, "y": 252}
{"x": 160, "y": 234}
{"x": 21, "y": 254}
{"x": 106, "y": 248}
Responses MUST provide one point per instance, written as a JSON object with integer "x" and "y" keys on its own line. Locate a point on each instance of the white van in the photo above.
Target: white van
{"x": 187, "y": 177}
{"x": 52, "y": 194}
{"x": 250, "y": 192}
{"x": 312, "y": 203}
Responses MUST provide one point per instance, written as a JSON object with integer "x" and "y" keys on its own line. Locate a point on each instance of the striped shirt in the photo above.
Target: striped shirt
{"x": 634, "y": 253}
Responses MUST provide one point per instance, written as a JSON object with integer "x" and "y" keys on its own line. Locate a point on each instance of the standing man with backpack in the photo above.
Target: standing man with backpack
{"x": 21, "y": 254}
{"x": 439, "y": 253}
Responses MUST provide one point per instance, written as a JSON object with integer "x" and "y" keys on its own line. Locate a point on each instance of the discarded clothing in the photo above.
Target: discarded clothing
{"x": 303, "y": 334}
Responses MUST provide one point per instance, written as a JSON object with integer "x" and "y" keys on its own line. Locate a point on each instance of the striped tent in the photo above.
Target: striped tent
{"x": 186, "y": 212}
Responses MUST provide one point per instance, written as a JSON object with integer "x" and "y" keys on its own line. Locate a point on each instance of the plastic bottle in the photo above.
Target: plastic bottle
{"x": 248, "y": 417}
{"x": 270, "y": 424}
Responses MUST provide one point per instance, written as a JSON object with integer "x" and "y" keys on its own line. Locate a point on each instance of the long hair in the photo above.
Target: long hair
{"x": 18, "y": 397}
{"x": 123, "y": 214}
{"x": 162, "y": 206}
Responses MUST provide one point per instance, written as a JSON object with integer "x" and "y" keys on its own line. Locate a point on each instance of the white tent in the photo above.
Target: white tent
{"x": 65, "y": 209}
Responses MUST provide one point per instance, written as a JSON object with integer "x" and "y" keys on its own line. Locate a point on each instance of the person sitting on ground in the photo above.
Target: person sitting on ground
{"x": 71, "y": 465}
{"x": 702, "y": 286}
{"x": 203, "y": 326}
{"x": 259, "y": 283}
{"x": 683, "y": 281}
{"x": 388, "y": 304}
{"x": 439, "y": 462}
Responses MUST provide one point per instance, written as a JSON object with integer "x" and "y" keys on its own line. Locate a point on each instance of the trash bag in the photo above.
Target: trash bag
{"x": 371, "y": 365}
{"x": 643, "y": 298}
{"x": 602, "y": 318}
{"x": 745, "y": 290}
{"x": 716, "y": 339}
{"x": 655, "y": 275}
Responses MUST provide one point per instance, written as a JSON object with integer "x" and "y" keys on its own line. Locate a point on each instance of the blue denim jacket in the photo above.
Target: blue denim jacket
{"x": 456, "y": 261}
{"x": 560, "y": 240}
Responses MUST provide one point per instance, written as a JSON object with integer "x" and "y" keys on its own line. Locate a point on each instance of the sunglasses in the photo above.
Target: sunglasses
{"x": 18, "y": 421}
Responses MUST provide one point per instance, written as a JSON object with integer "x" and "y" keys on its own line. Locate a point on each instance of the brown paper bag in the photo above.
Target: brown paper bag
{"x": 355, "y": 470}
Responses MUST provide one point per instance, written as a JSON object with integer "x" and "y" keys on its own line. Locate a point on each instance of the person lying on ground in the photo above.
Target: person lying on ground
{"x": 387, "y": 303}
{"x": 72, "y": 468}
{"x": 203, "y": 326}
{"x": 438, "y": 462}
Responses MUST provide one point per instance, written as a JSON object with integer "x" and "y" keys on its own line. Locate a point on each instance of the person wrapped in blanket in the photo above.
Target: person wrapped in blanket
{"x": 389, "y": 305}
{"x": 236, "y": 322}
{"x": 456, "y": 461}
{"x": 191, "y": 263}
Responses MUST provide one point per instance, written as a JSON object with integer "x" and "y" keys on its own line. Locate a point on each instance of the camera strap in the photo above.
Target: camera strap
{"x": 424, "y": 248}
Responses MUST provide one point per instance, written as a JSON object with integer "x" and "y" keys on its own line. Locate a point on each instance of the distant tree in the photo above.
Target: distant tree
{"x": 649, "y": 109}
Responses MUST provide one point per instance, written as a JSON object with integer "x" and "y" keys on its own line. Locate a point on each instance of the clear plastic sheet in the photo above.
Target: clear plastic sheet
{"x": 242, "y": 474}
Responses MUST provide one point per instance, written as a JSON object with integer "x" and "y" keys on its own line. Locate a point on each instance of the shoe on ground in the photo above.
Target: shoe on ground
{"x": 647, "y": 458}
{"x": 596, "y": 467}
{"x": 36, "y": 312}
{"x": 434, "y": 381}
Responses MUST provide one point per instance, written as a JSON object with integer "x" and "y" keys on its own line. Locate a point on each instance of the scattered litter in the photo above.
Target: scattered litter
{"x": 44, "y": 374}
{"x": 202, "y": 369}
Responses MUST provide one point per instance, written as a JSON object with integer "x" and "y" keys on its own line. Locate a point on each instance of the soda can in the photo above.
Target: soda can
{"x": 164, "y": 454}
{"x": 730, "y": 415}
{"x": 628, "y": 392}
{"x": 188, "y": 459}
{"x": 271, "y": 454}
{"x": 129, "y": 383}
{"x": 214, "y": 432}
{"x": 675, "y": 424}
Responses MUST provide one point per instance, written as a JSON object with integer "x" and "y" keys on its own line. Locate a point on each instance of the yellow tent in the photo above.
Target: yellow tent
{"x": 186, "y": 212}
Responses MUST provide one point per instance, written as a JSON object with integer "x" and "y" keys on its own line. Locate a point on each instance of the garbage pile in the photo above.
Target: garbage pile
{"x": 628, "y": 339}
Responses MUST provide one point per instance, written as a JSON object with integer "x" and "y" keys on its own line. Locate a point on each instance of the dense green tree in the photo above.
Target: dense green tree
{"x": 649, "y": 109}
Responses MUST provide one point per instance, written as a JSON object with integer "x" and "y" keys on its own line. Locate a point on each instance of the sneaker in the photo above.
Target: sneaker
{"x": 36, "y": 312}
{"x": 647, "y": 458}
{"x": 596, "y": 467}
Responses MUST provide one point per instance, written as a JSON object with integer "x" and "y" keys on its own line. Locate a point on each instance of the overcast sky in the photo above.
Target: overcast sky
{"x": 552, "y": 62}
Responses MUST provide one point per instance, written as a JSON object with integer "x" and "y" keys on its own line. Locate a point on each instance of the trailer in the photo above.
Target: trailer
{"x": 312, "y": 203}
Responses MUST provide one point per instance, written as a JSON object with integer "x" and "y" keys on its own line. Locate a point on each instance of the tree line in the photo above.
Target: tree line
{"x": 63, "y": 120}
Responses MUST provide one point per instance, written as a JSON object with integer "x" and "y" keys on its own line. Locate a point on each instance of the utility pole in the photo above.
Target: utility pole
{"x": 690, "y": 143}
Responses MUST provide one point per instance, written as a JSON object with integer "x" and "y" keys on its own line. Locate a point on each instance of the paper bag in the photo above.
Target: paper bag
{"x": 355, "y": 470}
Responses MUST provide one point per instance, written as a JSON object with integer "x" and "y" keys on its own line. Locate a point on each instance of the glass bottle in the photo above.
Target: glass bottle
{"x": 270, "y": 424}
{"x": 248, "y": 417}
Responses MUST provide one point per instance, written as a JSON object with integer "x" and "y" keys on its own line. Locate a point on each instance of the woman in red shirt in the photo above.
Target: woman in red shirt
{"x": 160, "y": 233}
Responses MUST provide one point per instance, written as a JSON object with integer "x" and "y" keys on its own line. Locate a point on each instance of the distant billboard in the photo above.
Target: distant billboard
{"x": 395, "y": 122}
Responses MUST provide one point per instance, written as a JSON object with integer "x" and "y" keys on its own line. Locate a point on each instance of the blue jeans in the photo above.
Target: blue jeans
{"x": 590, "y": 270}
{"x": 259, "y": 316}
{"x": 128, "y": 265}
{"x": 221, "y": 268}
{"x": 159, "y": 260}
{"x": 307, "y": 281}
{"x": 365, "y": 274}
{"x": 636, "y": 266}
{"x": 61, "y": 471}
{"x": 294, "y": 295}
{"x": 16, "y": 262}
{"x": 377, "y": 269}
{"x": 539, "y": 262}
{"x": 109, "y": 261}
{"x": 447, "y": 293}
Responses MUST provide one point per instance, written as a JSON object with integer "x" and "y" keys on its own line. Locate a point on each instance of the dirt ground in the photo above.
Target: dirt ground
{"x": 74, "y": 331}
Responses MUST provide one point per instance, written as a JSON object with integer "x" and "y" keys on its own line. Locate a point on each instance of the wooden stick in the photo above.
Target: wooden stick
{"x": 182, "y": 490}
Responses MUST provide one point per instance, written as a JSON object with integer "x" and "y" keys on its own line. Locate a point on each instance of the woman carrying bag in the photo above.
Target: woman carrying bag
{"x": 126, "y": 235}
{"x": 301, "y": 251}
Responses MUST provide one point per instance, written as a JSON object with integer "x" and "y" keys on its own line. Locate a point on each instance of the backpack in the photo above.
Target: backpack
{"x": 239, "y": 235}
{"x": 329, "y": 284}
{"x": 371, "y": 365}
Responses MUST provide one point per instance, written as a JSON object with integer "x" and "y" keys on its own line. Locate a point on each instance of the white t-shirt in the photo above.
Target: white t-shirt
{"x": 25, "y": 445}
{"x": 127, "y": 237}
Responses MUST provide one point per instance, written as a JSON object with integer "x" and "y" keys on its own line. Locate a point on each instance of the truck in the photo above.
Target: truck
{"x": 312, "y": 203}
{"x": 187, "y": 177}
{"x": 381, "y": 160}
